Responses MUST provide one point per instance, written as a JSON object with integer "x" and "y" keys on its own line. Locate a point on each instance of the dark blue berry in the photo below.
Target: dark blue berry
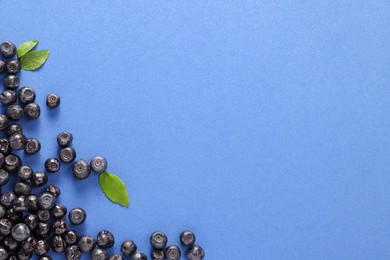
{"x": 58, "y": 244}
{"x": 86, "y": 243}
{"x": 14, "y": 128}
{"x": 72, "y": 253}
{"x": 32, "y": 202}
{"x": 22, "y": 187}
{"x": 13, "y": 66}
{"x": 31, "y": 221}
{"x": 12, "y": 163}
{"x": 20, "y": 232}
{"x": 158, "y": 254}
{"x": 58, "y": 211}
{"x": 53, "y": 100}
{"x": 81, "y": 169}
{"x": 41, "y": 247}
{"x": 138, "y": 256}
{"x": 7, "y": 199}
{"x": 11, "y": 82}
{"x": 7, "y": 49}
{"x": 128, "y": 247}
{"x": 60, "y": 226}
{"x": 3, "y": 66}
{"x": 99, "y": 164}
{"x": 32, "y": 146}
{"x": 25, "y": 172}
{"x": 67, "y": 154}
{"x": 26, "y": 95}
{"x": 43, "y": 230}
{"x": 54, "y": 189}
{"x": 99, "y": 254}
{"x": 32, "y": 111}
{"x": 4, "y": 177}
{"x": 5, "y": 226}
{"x": 116, "y": 257}
{"x": 3, "y": 254}
{"x": 7, "y": 97}
{"x": 195, "y": 253}
{"x": 20, "y": 204}
{"x": 77, "y": 216}
{"x": 64, "y": 139}
{"x": 158, "y": 240}
{"x": 10, "y": 243}
{"x": 105, "y": 239}
{"x": 39, "y": 179}
{"x": 52, "y": 165}
{"x": 46, "y": 200}
{"x": 17, "y": 141}
{"x": 43, "y": 215}
{"x": 14, "y": 112}
{"x": 3, "y": 122}
{"x": 29, "y": 243}
{"x": 4, "y": 144}
{"x": 71, "y": 237}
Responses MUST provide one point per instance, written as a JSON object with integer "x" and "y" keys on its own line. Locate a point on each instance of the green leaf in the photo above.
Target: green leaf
{"x": 114, "y": 188}
{"x": 26, "y": 47}
{"x": 34, "y": 59}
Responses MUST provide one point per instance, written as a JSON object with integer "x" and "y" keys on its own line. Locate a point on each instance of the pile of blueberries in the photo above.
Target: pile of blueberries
{"x": 33, "y": 224}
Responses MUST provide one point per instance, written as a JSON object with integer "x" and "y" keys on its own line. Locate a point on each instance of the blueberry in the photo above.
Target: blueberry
{"x": 105, "y": 239}
{"x": 26, "y": 95}
{"x": 14, "y": 112}
{"x": 32, "y": 146}
{"x": 58, "y": 211}
{"x": 41, "y": 247}
{"x": 128, "y": 247}
{"x": 173, "y": 252}
{"x": 67, "y": 154}
{"x": 64, "y": 139}
{"x": 29, "y": 243}
{"x": 46, "y": 200}
{"x": 7, "y": 97}
{"x": 52, "y": 165}
{"x": 20, "y": 232}
{"x": 23, "y": 254}
{"x": 2, "y": 159}
{"x": 12, "y": 163}
{"x": 77, "y": 216}
{"x": 10, "y": 243}
{"x": 17, "y": 141}
{"x": 14, "y": 129}
{"x": 3, "y": 211}
{"x": 71, "y": 237}
{"x": 13, "y": 66}
{"x": 7, "y": 49}
{"x": 4, "y": 177}
{"x": 3, "y": 122}
{"x": 53, "y": 100}
{"x": 25, "y": 172}
{"x": 7, "y": 199}
{"x": 60, "y": 226}
{"x": 116, "y": 257}
{"x": 45, "y": 257}
{"x": 72, "y": 253}
{"x": 138, "y": 256}
{"x": 5, "y": 226}
{"x": 99, "y": 164}
{"x": 81, "y": 169}
{"x": 58, "y": 244}
{"x": 14, "y": 216}
{"x": 158, "y": 240}
{"x": 99, "y": 254}
{"x": 3, "y": 254}
{"x": 39, "y": 179}
{"x": 86, "y": 243}
{"x": 20, "y": 204}
{"x": 22, "y": 187}
{"x": 43, "y": 215}
{"x": 158, "y": 254}
{"x": 31, "y": 221}
{"x": 195, "y": 253}
{"x": 11, "y": 82}
{"x": 187, "y": 238}
{"x": 3, "y": 66}
{"x": 43, "y": 230}
{"x": 54, "y": 189}
{"x": 4, "y": 144}
{"x": 32, "y": 201}
{"x": 32, "y": 111}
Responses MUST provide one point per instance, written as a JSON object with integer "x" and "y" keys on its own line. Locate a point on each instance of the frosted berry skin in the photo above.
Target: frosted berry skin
{"x": 12, "y": 163}
{"x": 32, "y": 146}
{"x": 32, "y": 111}
{"x": 81, "y": 169}
{"x": 11, "y": 82}
{"x": 71, "y": 237}
{"x": 72, "y": 252}
{"x": 99, "y": 254}
{"x": 4, "y": 177}
{"x": 46, "y": 201}
{"x": 52, "y": 165}
{"x": 128, "y": 247}
{"x": 138, "y": 256}
{"x": 77, "y": 216}
{"x": 39, "y": 179}
{"x": 173, "y": 252}
{"x": 41, "y": 248}
{"x": 13, "y": 66}
{"x": 17, "y": 141}
{"x": 86, "y": 243}
{"x": 64, "y": 139}
{"x": 58, "y": 211}
{"x": 26, "y": 95}
{"x": 20, "y": 232}
{"x": 53, "y": 100}
{"x": 195, "y": 253}
{"x": 7, "y": 97}
{"x": 7, "y": 199}
{"x": 3, "y": 122}
{"x": 158, "y": 240}
{"x": 14, "y": 112}
{"x": 105, "y": 239}
{"x": 158, "y": 255}
{"x": 67, "y": 154}
{"x": 99, "y": 164}
{"x": 7, "y": 49}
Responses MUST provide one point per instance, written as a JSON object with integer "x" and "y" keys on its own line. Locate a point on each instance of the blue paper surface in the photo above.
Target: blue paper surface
{"x": 263, "y": 126}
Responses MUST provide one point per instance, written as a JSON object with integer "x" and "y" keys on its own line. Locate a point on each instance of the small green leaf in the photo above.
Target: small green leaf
{"x": 34, "y": 59}
{"x": 114, "y": 188}
{"x": 26, "y": 47}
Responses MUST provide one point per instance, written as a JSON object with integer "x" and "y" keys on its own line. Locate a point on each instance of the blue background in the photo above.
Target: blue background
{"x": 263, "y": 126}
